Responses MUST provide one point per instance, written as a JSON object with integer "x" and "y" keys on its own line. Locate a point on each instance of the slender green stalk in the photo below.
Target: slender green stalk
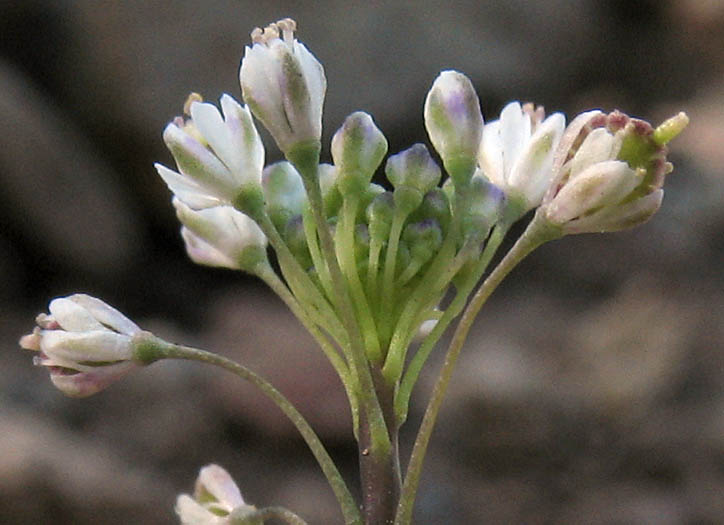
{"x": 164, "y": 350}
{"x": 346, "y": 256}
{"x": 537, "y": 233}
{"x": 310, "y": 232}
{"x": 412, "y": 372}
{"x": 306, "y": 159}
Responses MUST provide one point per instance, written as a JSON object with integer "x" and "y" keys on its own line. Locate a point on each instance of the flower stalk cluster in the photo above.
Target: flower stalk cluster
{"x": 365, "y": 263}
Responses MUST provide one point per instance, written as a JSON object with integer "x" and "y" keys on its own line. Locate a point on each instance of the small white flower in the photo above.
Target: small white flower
{"x": 215, "y": 497}
{"x": 85, "y": 343}
{"x": 216, "y": 156}
{"x": 597, "y": 192}
{"x": 220, "y": 236}
{"x": 516, "y": 152}
{"x": 284, "y": 85}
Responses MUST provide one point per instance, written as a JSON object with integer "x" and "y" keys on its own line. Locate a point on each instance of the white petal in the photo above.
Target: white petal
{"x": 619, "y": 217}
{"x": 106, "y": 314}
{"x": 515, "y": 129}
{"x": 531, "y": 174}
{"x": 598, "y": 146}
{"x": 197, "y": 162}
{"x": 72, "y": 316}
{"x": 217, "y": 482}
{"x": 211, "y": 125}
{"x": 192, "y": 513}
{"x": 248, "y": 149}
{"x": 85, "y": 384}
{"x": 187, "y": 189}
{"x": 603, "y": 184}
{"x": 96, "y": 346}
{"x": 490, "y": 156}
{"x": 201, "y": 252}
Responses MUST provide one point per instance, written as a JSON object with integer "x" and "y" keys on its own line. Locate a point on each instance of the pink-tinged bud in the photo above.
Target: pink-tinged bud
{"x": 221, "y": 236}
{"x": 217, "y": 156}
{"x": 284, "y": 85}
{"x": 516, "y": 152}
{"x": 454, "y": 123}
{"x": 216, "y": 500}
{"x": 85, "y": 344}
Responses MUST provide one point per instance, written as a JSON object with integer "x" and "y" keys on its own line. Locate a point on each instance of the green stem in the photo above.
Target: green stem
{"x": 412, "y": 372}
{"x": 305, "y": 158}
{"x": 346, "y": 257}
{"x": 159, "y": 349}
{"x": 310, "y": 232}
{"x": 537, "y": 233}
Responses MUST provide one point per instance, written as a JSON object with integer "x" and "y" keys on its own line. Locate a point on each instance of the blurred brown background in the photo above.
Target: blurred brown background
{"x": 591, "y": 389}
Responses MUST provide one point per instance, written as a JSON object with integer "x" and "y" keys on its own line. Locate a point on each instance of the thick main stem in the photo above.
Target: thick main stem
{"x": 380, "y": 473}
{"x": 537, "y": 233}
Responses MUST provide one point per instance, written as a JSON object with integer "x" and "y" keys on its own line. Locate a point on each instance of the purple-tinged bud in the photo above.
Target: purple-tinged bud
{"x": 413, "y": 173}
{"x": 454, "y": 123}
{"x": 358, "y": 148}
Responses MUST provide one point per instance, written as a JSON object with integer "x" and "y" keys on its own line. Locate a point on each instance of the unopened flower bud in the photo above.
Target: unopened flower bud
{"x": 423, "y": 239}
{"x": 454, "y": 123}
{"x": 379, "y": 215}
{"x": 358, "y": 148}
{"x": 221, "y": 236}
{"x": 435, "y": 205}
{"x": 413, "y": 173}
{"x": 296, "y": 240}
{"x": 485, "y": 204}
{"x": 517, "y": 151}
{"x": 283, "y": 193}
{"x": 216, "y": 497}
{"x": 284, "y": 85}
{"x": 216, "y": 156}
{"x": 85, "y": 344}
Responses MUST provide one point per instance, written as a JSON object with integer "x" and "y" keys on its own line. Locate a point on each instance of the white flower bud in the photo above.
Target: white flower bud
{"x": 221, "y": 236}
{"x": 284, "y": 85}
{"x": 86, "y": 344}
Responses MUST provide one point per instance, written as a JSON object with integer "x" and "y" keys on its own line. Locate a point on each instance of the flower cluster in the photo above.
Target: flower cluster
{"x": 365, "y": 263}
{"x": 398, "y": 248}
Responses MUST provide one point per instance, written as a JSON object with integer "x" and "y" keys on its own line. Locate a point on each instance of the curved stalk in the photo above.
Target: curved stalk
{"x": 537, "y": 233}
{"x": 159, "y": 349}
